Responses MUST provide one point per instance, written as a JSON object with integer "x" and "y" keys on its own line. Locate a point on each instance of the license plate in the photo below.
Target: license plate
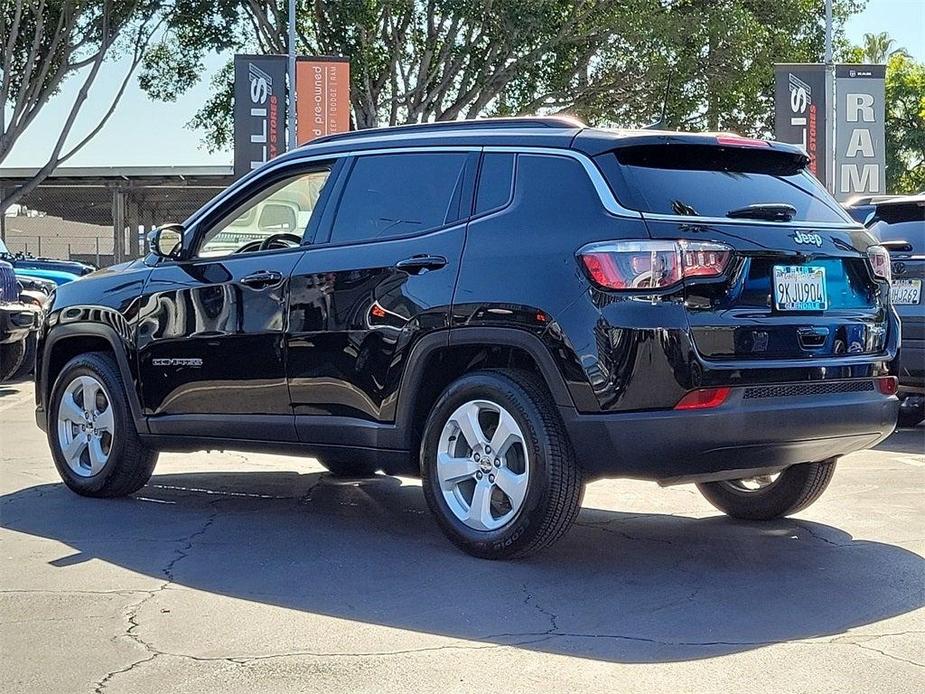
{"x": 906, "y": 292}
{"x": 799, "y": 288}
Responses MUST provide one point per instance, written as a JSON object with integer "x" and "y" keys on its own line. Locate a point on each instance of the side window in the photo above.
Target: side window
{"x": 390, "y": 195}
{"x": 284, "y": 208}
{"x": 496, "y": 179}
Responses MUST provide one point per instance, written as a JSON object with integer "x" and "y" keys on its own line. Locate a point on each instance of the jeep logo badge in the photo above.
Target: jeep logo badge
{"x": 808, "y": 239}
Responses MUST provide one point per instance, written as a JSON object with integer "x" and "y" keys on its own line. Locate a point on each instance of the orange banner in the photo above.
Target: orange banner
{"x": 323, "y": 97}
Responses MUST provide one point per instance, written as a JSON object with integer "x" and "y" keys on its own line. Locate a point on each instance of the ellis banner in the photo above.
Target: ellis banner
{"x": 259, "y": 110}
{"x": 323, "y": 104}
{"x": 801, "y": 103}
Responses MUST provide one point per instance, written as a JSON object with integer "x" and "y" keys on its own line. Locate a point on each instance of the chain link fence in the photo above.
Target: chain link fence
{"x": 102, "y": 219}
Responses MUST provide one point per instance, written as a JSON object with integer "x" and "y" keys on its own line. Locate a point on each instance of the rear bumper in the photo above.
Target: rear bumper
{"x": 757, "y": 429}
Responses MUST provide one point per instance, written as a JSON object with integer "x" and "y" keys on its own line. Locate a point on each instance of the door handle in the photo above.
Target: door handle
{"x": 263, "y": 278}
{"x": 417, "y": 264}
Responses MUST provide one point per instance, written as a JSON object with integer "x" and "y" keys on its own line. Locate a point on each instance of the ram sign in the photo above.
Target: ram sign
{"x": 860, "y": 140}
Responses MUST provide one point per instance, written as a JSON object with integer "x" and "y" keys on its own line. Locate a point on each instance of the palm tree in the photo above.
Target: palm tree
{"x": 878, "y": 48}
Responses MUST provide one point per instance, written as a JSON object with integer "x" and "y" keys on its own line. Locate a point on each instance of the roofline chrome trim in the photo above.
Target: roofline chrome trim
{"x": 684, "y": 219}
{"x": 607, "y": 198}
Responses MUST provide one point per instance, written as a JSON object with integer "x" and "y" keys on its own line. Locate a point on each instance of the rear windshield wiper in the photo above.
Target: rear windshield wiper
{"x": 771, "y": 211}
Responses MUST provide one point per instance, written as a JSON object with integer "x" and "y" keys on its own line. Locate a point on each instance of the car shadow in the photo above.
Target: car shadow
{"x": 909, "y": 441}
{"x": 631, "y": 588}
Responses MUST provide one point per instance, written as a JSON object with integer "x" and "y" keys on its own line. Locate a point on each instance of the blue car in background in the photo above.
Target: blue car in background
{"x": 57, "y": 271}
{"x": 59, "y": 277}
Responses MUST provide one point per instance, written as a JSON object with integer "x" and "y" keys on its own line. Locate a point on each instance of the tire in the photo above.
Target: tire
{"x": 27, "y": 365}
{"x": 539, "y": 466}
{"x": 11, "y": 358}
{"x": 128, "y": 463}
{"x": 794, "y": 489}
{"x": 347, "y": 468}
{"x": 911, "y": 416}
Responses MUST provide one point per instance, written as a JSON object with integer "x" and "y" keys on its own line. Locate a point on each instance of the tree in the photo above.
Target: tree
{"x": 605, "y": 61}
{"x": 44, "y": 43}
{"x": 878, "y": 48}
{"x": 905, "y": 125}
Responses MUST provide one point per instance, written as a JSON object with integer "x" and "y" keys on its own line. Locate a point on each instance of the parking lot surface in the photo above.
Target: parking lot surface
{"x": 249, "y": 573}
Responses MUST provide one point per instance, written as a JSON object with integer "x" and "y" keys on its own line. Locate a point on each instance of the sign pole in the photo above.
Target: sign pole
{"x": 292, "y": 94}
{"x": 829, "y": 153}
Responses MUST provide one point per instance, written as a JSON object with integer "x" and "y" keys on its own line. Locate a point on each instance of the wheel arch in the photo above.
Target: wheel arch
{"x": 440, "y": 358}
{"x": 64, "y": 342}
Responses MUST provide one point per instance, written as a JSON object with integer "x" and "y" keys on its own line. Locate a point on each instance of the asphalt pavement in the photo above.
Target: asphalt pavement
{"x": 251, "y": 573}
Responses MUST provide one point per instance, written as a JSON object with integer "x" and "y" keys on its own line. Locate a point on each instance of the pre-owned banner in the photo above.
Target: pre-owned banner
{"x": 323, "y": 103}
{"x": 800, "y": 109}
{"x": 860, "y": 138}
{"x": 259, "y": 110}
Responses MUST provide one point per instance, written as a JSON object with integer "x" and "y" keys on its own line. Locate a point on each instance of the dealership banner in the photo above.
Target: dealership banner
{"x": 801, "y": 110}
{"x": 323, "y": 103}
{"x": 860, "y": 138}
{"x": 259, "y": 110}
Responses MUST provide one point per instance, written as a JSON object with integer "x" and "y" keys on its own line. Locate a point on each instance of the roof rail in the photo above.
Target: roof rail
{"x": 472, "y": 124}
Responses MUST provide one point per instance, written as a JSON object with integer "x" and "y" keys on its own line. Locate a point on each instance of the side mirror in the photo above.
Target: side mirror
{"x": 167, "y": 241}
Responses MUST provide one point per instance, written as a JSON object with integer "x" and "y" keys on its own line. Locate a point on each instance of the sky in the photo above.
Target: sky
{"x": 143, "y": 132}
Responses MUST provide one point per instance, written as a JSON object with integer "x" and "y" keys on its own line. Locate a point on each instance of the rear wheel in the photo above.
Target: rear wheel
{"x": 91, "y": 431}
{"x": 766, "y": 497}
{"x": 498, "y": 468}
{"x": 911, "y": 411}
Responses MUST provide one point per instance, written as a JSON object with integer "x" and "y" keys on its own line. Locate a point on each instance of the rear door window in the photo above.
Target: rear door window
{"x": 390, "y": 195}
{"x": 496, "y": 182}
{"x": 710, "y": 181}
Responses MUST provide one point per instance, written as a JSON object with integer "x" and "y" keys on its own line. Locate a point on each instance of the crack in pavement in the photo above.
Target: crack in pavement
{"x": 306, "y": 498}
{"x": 529, "y": 597}
{"x": 819, "y": 537}
{"x": 131, "y": 611}
{"x": 623, "y": 534}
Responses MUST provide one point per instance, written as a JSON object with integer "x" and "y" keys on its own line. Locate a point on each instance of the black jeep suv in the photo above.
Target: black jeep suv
{"x": 508, "y": 309}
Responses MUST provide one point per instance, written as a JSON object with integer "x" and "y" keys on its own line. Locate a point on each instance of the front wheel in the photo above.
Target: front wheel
{"x": 766, "y": 497}
{"x": 91, "y": 431}
{"x": 498, "y": 468}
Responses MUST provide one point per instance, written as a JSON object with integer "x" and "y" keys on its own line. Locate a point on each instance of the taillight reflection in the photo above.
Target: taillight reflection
{"x": 635, "y": 265}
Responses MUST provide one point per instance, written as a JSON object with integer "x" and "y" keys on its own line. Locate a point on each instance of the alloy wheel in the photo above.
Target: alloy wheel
{"x": 482, "y": 465}
{"x": 86, "y": 426}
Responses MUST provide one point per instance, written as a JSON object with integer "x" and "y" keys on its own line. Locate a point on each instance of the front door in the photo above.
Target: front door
{"x": 211, "y": 327}
{"x": 382, "y": 276}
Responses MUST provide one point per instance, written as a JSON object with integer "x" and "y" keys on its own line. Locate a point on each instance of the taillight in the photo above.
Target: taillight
{"x": 879, "y": 259}
{"x": 888, "y": 385}
{"x": 635, "y": 265}
{"x": 703, "y": 399}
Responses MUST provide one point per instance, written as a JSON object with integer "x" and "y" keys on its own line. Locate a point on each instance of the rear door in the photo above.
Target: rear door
{"x": 381, "y": 275}
{"x": 798, "y": 287}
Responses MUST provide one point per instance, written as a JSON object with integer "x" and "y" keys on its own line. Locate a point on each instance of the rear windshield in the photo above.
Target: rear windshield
{"x": 901, "y": 222}
{"x": 710, "y": 181}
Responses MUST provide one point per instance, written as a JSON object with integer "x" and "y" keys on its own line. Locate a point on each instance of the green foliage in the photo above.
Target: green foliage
{"x": 905, "y": 125}
{"x": 606, "y": 61}
{"x": 878, "y": 48}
